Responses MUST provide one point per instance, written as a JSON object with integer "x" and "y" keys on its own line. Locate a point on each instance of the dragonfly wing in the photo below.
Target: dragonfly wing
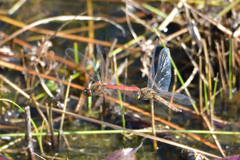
{"x": 78, "y": 58}
{"x": 82, "y": 61}
{"x": 120, "y": 70}
{"x": 177, "y": 97}
{"x": 163, "y": 74}
{"x": 105, "y": 74}
{"x": 102, "y": 62}
{"x": 152, "y": 69}
{"x": 129, "y": 94}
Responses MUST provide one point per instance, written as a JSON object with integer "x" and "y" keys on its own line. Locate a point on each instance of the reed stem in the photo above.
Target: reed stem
{"x": 230, "y": 68}
{"x": 153, "y": 124}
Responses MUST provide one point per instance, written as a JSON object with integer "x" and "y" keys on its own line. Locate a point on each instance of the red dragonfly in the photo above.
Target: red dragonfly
{"x": 98, "y": 85}
{"x": 158, "y": 83}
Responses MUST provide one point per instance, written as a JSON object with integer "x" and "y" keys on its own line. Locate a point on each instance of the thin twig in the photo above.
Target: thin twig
{"x": 59, "y": 18}
{"x": 208, "y": 69}
{"x": 153, "y": 124}
{"x": 218, "y": 25}
{"x": 220, "y": 67}
{"x": 16, "y": 6}
{"x": 43, "y": 84}
{"x": 28, "y": 135}
{"x": 171, "y": 16}
{"x": 50, "y": 121}
{"x": 41, "y": 113}
{"x": 129, "y": 23}
{"x": 213, "y": 135}
{"x": 65, "y": 103}
{"x": 200, "y": 84}
{"x": 63, "y": 35}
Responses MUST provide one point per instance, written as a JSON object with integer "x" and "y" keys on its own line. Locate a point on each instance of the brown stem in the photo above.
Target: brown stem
{"x": 28, "y": 135}
{"x": 153, "y": 124}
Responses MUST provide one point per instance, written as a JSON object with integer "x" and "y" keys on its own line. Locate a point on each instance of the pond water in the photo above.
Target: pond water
{"x": 98, "y": 146}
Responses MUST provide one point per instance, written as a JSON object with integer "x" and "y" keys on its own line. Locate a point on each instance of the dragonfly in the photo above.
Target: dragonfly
{"x": 159, "y": 81}
{"x": 98, "y": 84}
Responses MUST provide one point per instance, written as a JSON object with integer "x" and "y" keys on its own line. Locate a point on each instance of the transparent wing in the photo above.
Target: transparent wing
{"x": 102, "y": 62}
{"x": 129, "y": 94}
{"x": 163, "y": 74}
{"x": 120, "y": 69}
{"x": 82, "y": 61}
{"x": 152, "y": 69}
{"x": 79, "y": 58}
{"x": 177, "y": 97}
{"x": 105, "y": 74}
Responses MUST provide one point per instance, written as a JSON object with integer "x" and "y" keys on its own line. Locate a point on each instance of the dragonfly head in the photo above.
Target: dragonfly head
{"x": 137, "y": 94}
{"x": 87, "y": 91}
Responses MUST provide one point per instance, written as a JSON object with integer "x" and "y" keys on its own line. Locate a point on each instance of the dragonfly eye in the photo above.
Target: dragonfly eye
{"x": 87, "y": 92}
{"x": 137, "y": 94}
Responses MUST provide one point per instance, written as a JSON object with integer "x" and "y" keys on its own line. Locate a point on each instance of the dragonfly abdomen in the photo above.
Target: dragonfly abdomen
{"x": 170, "y": 105}
{"x": 101, "y": 83}
{"x": 124, "y": 88}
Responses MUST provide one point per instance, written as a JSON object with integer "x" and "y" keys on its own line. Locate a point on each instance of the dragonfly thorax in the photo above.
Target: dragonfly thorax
{"x": 147, "y": 93}
{"x": 88, "y": 91}
{"x": 95, "y": 88}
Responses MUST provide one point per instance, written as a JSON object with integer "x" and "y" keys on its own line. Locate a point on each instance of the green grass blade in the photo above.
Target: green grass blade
{"x": 228, "y": 8}
{"x": 119, "y": 93}
{"x": 206, "y": 97}
{"x": 154, "y": 10}
{"x": 214, "y": 91}
{"x": 75, "y": 46}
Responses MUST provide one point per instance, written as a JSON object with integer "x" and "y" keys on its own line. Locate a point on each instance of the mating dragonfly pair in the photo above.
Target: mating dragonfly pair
{"x": 158, "y": 82}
